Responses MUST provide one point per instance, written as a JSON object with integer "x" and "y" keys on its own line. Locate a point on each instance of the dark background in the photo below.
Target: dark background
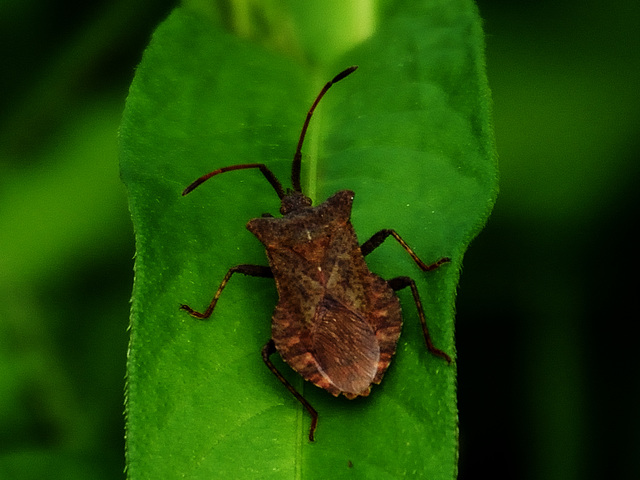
{"x": 548, "y": 384}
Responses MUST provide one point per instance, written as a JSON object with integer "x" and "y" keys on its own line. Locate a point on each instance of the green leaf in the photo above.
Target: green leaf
{"x": 409, "y": 132}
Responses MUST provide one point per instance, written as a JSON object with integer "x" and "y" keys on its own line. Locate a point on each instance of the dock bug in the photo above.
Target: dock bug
{"x": 336, "y": 323}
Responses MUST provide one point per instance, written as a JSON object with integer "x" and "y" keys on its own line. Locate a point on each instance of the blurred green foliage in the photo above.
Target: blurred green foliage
{"x": 66, "y": 245}
{"x": 547, "y": 367}
{"x": 548, "y": 378}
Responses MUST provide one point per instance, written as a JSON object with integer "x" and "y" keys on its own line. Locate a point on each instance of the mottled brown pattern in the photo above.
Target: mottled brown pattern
{"x": 331, "y": 306}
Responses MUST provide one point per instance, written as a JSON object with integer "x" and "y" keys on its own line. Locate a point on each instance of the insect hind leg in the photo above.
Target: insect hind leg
{"x": 268, "y": 350}
{"x": 399, "y": 283}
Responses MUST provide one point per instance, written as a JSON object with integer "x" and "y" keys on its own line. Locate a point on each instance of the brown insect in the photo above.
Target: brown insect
{"x": 336, "y": 323}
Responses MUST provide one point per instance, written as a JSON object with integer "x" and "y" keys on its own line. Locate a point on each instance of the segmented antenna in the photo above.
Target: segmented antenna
{"x": 297, "y": 158}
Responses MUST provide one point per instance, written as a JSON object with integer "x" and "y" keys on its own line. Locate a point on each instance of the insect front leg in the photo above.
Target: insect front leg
{"x": 251, "y": 270}
{"x": 399, "y": 283}
{"x": 376, "y": 240}
{"x": 268, "y": 350}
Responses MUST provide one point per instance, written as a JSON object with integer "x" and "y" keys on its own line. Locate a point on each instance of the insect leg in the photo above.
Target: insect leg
{"x": 251, "y": 270}
{"x": 399, "y": 283}
{"x": 376, "y": 240}
{"x": 268, "y": 350}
